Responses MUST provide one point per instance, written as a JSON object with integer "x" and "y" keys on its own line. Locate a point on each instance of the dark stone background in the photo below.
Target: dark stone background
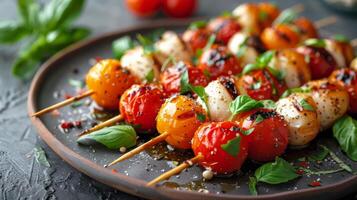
{"x": 21, "y": 177}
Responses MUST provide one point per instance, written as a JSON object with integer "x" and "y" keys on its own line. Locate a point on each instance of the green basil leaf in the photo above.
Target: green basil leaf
{"x": 112, "y": 137}
{"x": 258, "y": 119}
{"x": 121, "y": 45}
{"x": 210, "y": 42}
{"x": 320, "y": 155}
{"x": 345, "y": 131}
{"x": 169, "y": 60}
{"x": 147, "y": 43}
{"x": 276, "y": 73}
{"x": 226, "y": 13}
{"x": 11, "y": 32}
{"x": 264, "y": 59}
{"x": 232, "y": 146}
{"x": 290, "y": 91}
{"x": 150, "y": 76}
{"x": 198, "y": 24}
{"x": 251, "y": 67}
{"x": 287, "y": 16}
{"x": 314, "y": 42}
{"x": 247, "y": 132}
{"x": 253, "y": 186}
{"x": 243, "y": 103}
{"x": 59, "y": 39}
{"x": 341, "y": 38}
{"x": 242, "y": 48}
{"x": 276, "y": 172}
{"x": 185, "y": 83}
{"x": 270, "y": 104}
{"x": 306, "y": 106}
{"x": 201, "y": 117}
{"x": 340, "y": 162}
{"x": 41, "y": 157}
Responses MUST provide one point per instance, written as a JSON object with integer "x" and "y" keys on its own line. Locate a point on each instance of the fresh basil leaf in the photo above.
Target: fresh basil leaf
{"x": 112, "y": 137}
{"x": 198, "y": 24}
{"x": 11, "y": 32}
{"x": 287, "y": 16}
{"x": 201, "y": 117}
{"x": 147, "y": 43}
{"x": 276, "y": 172}
{"x": 185, "y": 83}
{"x": 258, "y": 119}
{"x": 247, "y": 132}
{"x": 41, "y": 157}
{"x": 232, "y": 146}
{"x": 29, "y": 10}
{"x": 169, "y": 60}
{"x": 210, "y": 42}
{"x": 150, "y": 76}
{"x": 59, "y": 39}
{"x": 290, "y": 91}
{"x": 270, "y": 104}
{"x": 121, "y": 45}
{"x": 243, "y": 103}
{"x": 320, "y": 155}
{"x": 60, "y": 13}
{"x": 226, "y": 13}
{"x": 242, "y": 48}
{"x": 340, "y": 162}
{"x": 251, "y": 67}
{"x": 276, "y": 73}
{"x": 253, "y": 186}
{"x": 264, "y": 59}
{"x": 306, "y": 106}
{"x": 341, "y": 38}
{"x": 314, "y": 42}
{"x": 345, "y": 131}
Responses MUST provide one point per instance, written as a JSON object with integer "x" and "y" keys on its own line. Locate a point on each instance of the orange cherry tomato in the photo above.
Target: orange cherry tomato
{"x": 179, "y": 8}
{"x": 218, "y": 61}
{"x": 268, "y": 12}
{"x": 347, "y": 78}
{"x": 224, "y": 28}
{"x": 320, "y": 61}
{"x": 140, "y": 104}
{"x": 280, "y": 37}
{"x": 171, "y": 77}
{"x": 306, "y": 28}
{"x": 109, "y": 81}
{"x": 196, "y": 38}
{"x": 208, "y": 141}
{"x": 260, "y": 85}
{"x": 180, "y": 117}
{"x": 143, "y": 8}
{"x": 270, "y": 133}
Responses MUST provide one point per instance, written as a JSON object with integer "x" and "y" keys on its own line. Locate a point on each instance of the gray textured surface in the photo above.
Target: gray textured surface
{"x": 23, "y": 178}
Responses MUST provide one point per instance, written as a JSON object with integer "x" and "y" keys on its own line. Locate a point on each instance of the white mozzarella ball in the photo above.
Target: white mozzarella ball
{"x": 236, "y": 43}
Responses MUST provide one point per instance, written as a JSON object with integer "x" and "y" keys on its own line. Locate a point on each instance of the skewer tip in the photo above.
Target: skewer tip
{"x": 105, "y": 166}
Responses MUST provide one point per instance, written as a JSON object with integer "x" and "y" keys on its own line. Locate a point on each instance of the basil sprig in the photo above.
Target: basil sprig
{"x": 150, "y": 76}
{"x": 286, "y": 17}
{"x": 232, "y": 146}
{"x": 276, "y": 172}
{"x": 198, "y": 24}
{"x": 341, "y": 38}
{"x": 243, "y": 103}
{"x": 112, "y": 137}
{"x": 49, "y": 28}
{"x": 345, "y": 131}
{"x": 314, "y": 42}
{"x": 121, "y": 45}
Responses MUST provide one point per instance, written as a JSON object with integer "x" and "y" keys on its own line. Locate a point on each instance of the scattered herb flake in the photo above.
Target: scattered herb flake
{"x": 306, "y": 106}
{"x": 40, "y": 157}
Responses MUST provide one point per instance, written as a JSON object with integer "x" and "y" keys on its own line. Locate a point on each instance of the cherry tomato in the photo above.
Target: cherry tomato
{"x": 143, "y": 8}
{"x": 196, "y": 38}
{"x": 140, "y": 104}
{"x": 224, "y": 28}
{"x": 180, "y": 117}
{"x": 260, "y": 85}
{"x": 218, "y": 61}
{"x": 171, "y": 77}
{"x": 270, "y": 133}
{"x": 208, "y": 141}
{"x": 109, "y": 81}
{"x": 280, "y": 37}
{"x": 179, "y": 8}
{"x": 268, "y": 12}
{"x": 320, "y": 61}
{"x": 306, "y": 28}
{"x": 347, "y": 78}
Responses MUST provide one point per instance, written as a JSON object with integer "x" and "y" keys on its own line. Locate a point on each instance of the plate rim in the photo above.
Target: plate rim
{"x": 129, "y": 184}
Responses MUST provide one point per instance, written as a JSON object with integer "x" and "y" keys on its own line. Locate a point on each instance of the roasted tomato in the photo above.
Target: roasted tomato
{"x": 208, "y": 141}
{"x": 269, "y": 137}
{"x": 140, "y": 104}
{"x": 196, "y": 38}
{"x": 171, "y": 77}
{"x": 306, "y": 28}
{"x": 320, "y": 61}
{"x": 180, "y": 117}
{"x": 218, "y": 61}
{"x": 224, "y": 28}
{"x": 109, "y": 81}
{"x": 347, "y": 78}
{"x": 268, "y": 12}
{"x": 261, "y": 84}
{"x": 281, "y": 36}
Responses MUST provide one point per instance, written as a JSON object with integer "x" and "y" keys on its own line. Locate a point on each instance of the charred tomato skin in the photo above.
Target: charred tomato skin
{"x": 269, "y": 137}
{"x": 208, "y": 141}
{"x": 109, "y": 81}
{"x": 171, "y": 77}
{"x": 140, "y": 104}
{"x": 218, "y": 61}
{"x": 320, "y": 61}
{"x": 224, "y": 28}
{"x": 279, "y": 37}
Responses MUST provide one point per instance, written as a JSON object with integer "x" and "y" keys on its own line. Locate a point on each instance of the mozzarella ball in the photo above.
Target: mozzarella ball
{"x": 303, "y": 123}
{"x": 237, "y": 42}
{"x": 248, "y": 17}
{"x": 354, "y": 64}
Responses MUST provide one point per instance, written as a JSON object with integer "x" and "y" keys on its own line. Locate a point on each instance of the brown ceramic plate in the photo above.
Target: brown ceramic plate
{"x": 131, "y": 175}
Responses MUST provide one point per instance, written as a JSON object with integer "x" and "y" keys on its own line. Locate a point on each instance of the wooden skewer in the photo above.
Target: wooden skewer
{"x": 139, "y": 149}
{"x": 176, "y": 170}
{"x": 63, "y": 103}
{"x": 325, "y": 21}
{"x": 107, "y": 123}
{"x": 298, "y": 8}
{"x": 354, "y": 42}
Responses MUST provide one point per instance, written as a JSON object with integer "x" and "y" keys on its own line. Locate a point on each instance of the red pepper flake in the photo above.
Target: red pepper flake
{"x": 315, "y": 184}
{"x": 303, "y": 164}
{"x": 67, "y": 96}
{"x": 114, "y": 171}
{"x": 66, "y": 125}
{"x": 98, "y": 59}
{"x": 300, "y": 171}
{"x": 78, "y": 124}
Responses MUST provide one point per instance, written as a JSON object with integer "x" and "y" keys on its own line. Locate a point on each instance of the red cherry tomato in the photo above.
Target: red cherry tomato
{"x": 179, "y": 8}
{"x": 196, "y": 38}
{"x": 218, "y": 61}
{"x": 347, "y": 78}
{"x": 208, "y": 141}
{"x": 171, "y": 77}
{"x": 143, "y": 8}
{"x": 140, "y": 105}
{"x": 270, "y": 133}
{"x": 224, "y": 28}
{"x": 320, "y": 61}
{"x": 260, "y": 85}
